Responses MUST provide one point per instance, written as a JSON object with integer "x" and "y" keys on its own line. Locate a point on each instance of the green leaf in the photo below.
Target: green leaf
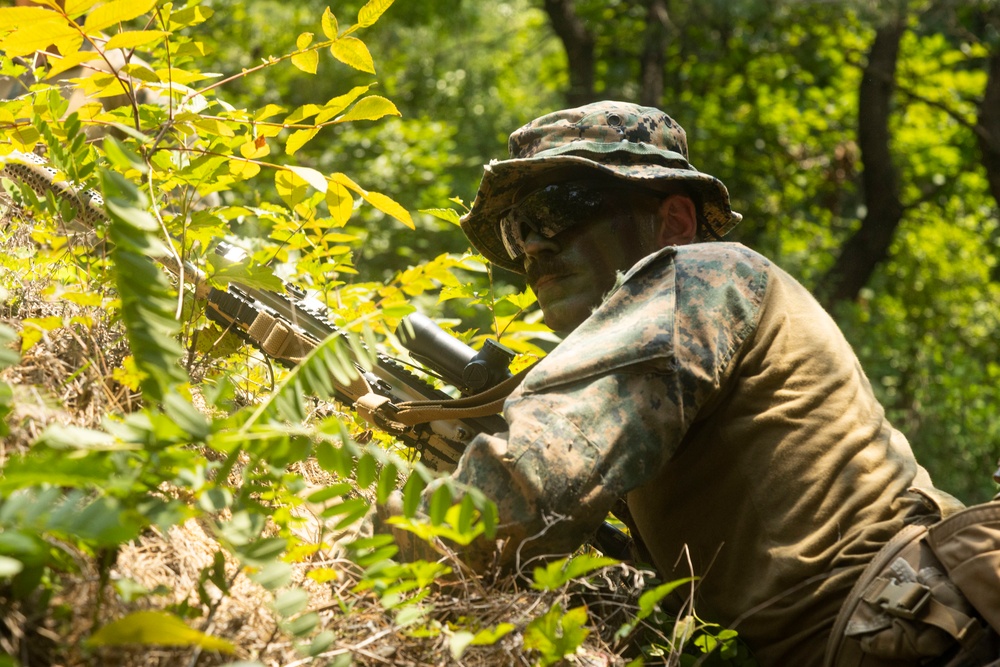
{"x": 370, "y": 13}
{"x": 556, "y": 635}
{"x": 389, "y": 207}
{"x": 411, "y": 494}
{"x": 365, "y": 471}
{"x": 386, "y": 482}
{"x": 352, "y": 52}
{"x": 290, "y": 602}
{"x": 274, "y": 575}
{"x": 440, "y": 503}
{"x": 115, "y": 12}
{"x": 490, "y": 636}
{"x": 133, "y": 38}
{"x": 557, "y": 573}
{"x": 307, "y": 61}
{"x": 446, "y": 214}
{"x": 372, "y": 107}
{"x": 156, "y": 628}
{"x": 58, "y": 436}
{"x": 8, "y": 357}
{"x": 329, "y": 23}
{"x": 300, "y": 138}
{"x": 263, "y": 551}
{"x": 337, "y": 104}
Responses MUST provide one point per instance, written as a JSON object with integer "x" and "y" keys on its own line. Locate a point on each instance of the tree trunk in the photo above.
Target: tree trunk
{"x": 654, "y": 52}
{"x": 989, "y": 127}
{"x": 861, "y": 254}
{"x": 579, "y": 45}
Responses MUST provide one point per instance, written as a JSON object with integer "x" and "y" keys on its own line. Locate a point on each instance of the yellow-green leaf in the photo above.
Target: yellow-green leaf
{"x": 34, "y": 329}
{"x": 303, "y": 40}
{"x": 346, "y": 181}
{"x": 339, "y": 103}
{"x": 115, "y": 12}
{"x": 389, "y": 207}
{"x": 26, "y": 40}
{"x": 242, "y": 170}
{"x": 29, "y": 17}
{"x": 291, "y": 188}
{"x": 352, "y": 51}
{"x": 372, "y": 107}
{"x": 371, "y": 11}
{"x": 77, "y": 7}
{"x": 254, "y": 149}
{"x": 311, "y": 176}
{"x": 156, "y": 628}
{"x": 268, "y": 111}
{"x": 330, "y": 27}
{"x": 190, "y": 16}
{"x": 63, "y": 63}
{"x": 307, "y": 61}
{"x": 303, "y": 112}
{"x": 133, "y": 38}
{"x": 340, "y": 203}
{"x": 298, "y": 139}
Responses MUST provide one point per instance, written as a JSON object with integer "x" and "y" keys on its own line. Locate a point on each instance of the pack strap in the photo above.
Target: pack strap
{"x": 910, "y": 600}
{"x": 838, "y": 650}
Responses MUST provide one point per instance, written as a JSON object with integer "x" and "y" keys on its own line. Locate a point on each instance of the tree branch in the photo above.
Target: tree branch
{"x": 880, "y": 180}
{"x": 579, "y": 45}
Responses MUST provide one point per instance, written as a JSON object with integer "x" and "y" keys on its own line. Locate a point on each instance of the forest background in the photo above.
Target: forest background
{"x": 860, "y": 140}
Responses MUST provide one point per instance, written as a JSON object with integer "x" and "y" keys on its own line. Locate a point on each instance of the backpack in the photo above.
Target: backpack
{"x": 930, "y": 596}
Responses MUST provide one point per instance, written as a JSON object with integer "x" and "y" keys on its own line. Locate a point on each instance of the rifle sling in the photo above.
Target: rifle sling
{"x": 483, "y": 404}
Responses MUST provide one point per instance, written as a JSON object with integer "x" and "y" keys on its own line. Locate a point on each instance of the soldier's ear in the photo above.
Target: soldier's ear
{"x": 678, "y": 221}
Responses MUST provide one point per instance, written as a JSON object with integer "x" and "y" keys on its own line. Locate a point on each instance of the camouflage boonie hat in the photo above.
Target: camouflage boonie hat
{"x": 621, "y": 140}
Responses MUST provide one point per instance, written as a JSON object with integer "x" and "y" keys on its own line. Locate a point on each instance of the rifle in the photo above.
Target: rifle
{"x": 286, "y": 325}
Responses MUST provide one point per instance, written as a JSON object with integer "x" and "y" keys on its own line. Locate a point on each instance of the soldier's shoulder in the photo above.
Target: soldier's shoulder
{"x": 722, "y": 254}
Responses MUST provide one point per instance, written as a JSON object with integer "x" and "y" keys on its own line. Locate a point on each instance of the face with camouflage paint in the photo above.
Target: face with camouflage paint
{"x": 571, "y": 271}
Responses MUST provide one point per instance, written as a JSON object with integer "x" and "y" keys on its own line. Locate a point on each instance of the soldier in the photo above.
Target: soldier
{"x": 696, "y": 380}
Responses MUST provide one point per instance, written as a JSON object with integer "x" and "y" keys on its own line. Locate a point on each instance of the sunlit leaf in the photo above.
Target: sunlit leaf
{"x": 389, "y": 207}
{"x": 372, "y": 107}
{"x": 189, "y": 16}
{"x": 310, "y": 176}
{"x": 115, "y": 12}
{"x": 557, "y": 573}
{"x": 353, "y": 52}
{"x": 339, "y": 202}
{"x": 291, "y": 187}
{"x": 298, "y": 139}
{"x": 329, "y": 23}
{"x": 446, "y": 214}
{"x": 555, "y": 635}
{"x": 156, "y": 628}
{"x": 132, "y": 39}
{"x": 76, "y": 7}
{"x": 25, "y": 41}
{"x": 307, "y": 61}
{"x": 370, "y": 13}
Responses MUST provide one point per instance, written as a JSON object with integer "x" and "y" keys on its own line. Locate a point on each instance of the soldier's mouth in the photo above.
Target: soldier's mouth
{"x": 545, "y": 271}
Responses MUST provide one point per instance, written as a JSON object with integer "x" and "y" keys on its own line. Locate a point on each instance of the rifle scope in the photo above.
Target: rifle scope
{"x": 456, "y": 362}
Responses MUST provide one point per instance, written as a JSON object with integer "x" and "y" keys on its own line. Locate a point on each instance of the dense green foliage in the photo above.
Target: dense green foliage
{"x": 273, "y": 126}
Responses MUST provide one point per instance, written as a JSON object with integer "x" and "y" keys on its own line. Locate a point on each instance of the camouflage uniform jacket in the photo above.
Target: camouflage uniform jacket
{"x": 715, "y": 394}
